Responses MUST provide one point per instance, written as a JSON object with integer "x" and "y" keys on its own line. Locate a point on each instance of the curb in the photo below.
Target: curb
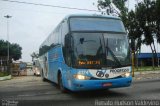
{"x": 5, "y": 78}
{"x": 147, "y": 72}
{"x": 144, "y": 80}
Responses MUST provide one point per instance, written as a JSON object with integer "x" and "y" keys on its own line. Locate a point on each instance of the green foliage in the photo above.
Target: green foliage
{"x": 144, "y": 20}
{"x": 103, "y": 4}
{"x": 15, "y": 50}
{"x": 3, "y": 48}
{"x": 106, "y": 4}
{"x": 147, "y": 68}
{"x": 34, "y": 55}
{"x": 147, "y": 20}
{"x": 2, "y": 74}
{"x": 158, "y": 19}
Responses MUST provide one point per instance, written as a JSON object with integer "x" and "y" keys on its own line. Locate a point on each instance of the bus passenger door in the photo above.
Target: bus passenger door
{"x": 45, "y": 69}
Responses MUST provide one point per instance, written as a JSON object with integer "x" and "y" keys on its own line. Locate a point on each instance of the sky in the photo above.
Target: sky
{"x": 30, "y": 24}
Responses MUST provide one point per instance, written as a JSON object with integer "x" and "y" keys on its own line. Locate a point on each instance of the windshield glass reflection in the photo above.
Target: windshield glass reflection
{"x": 117, "y": 48}
{"x": 97, "y": 50}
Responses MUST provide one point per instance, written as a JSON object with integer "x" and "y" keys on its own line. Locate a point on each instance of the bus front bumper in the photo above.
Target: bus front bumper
{"x": 81, "y": 85}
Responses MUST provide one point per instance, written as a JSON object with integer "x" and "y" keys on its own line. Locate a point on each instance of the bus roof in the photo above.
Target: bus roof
{"x": 91, "y": 15}
{"x": 84, "y": 15}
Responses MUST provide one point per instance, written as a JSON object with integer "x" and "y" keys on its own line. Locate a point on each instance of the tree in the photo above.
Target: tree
{"x": 148, "y": 24}
{"x": 15, "y": 50}
{"x": 34, "y": 55}
{"x": 140, "y": 22}
{"x": 128, "y": 18}
{"x": 109, "y": 6}
{"x": 157, "y": 7}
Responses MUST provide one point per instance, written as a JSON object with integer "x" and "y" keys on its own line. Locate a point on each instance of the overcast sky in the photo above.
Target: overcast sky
{"x": 30, "y": 24}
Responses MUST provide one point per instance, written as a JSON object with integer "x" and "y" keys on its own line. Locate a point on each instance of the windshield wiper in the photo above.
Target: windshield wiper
{"x": 113, "y": 55}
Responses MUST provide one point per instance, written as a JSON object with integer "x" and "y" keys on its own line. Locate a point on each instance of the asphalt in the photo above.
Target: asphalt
{"x": 32, "y": 91}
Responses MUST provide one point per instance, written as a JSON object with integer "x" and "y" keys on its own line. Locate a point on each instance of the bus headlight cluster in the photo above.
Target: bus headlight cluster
{"x": 81, "y": 77}
{"x": 127, "y": 74}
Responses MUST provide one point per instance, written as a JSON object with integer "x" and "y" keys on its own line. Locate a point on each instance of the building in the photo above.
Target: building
{"x": 145, "y": 59}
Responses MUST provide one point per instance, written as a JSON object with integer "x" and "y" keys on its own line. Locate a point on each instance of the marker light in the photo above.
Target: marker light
{"x": 81, "y": 77}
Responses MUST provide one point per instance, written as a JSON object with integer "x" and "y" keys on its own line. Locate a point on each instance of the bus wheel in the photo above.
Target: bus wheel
{"x": 60, "y": 83}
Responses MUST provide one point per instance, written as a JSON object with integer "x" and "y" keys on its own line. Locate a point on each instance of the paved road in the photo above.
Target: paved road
{"x": 28, "y": 90}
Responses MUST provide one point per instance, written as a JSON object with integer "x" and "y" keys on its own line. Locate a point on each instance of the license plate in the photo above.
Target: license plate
{"x": 107, "y": 84}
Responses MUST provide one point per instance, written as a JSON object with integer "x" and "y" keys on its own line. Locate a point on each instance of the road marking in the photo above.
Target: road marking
{"x": 38, "y": 94}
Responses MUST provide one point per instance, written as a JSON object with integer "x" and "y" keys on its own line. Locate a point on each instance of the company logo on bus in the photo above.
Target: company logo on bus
{"x": 119, "y": 70}
{"x": 102, "y": 74}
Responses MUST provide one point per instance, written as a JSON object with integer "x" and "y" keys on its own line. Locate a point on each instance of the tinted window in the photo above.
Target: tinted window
{"x": 96, "y": 24}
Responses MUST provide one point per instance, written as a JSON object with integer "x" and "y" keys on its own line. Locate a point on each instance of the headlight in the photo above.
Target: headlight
{"x": 38, "y": 73}
{"x": 81, "y": 77}
{"x": 127, "y": 74}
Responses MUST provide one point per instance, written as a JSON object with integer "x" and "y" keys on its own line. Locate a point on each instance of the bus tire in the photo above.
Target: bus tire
{"x": 60, "y": 84}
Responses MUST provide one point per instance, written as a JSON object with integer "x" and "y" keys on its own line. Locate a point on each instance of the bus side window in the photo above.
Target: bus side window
{"x": 67, "y": 41}
{"x": 67, "y": 48}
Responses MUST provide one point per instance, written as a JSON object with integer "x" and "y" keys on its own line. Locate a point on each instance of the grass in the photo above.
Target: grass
{"x": 2, "y": 74}
{"x": 147, "y": 68}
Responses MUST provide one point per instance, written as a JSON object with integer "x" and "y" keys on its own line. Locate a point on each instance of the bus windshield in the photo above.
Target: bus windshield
{"x": 96, "y": 24}
{"x": 117, "y": 49}
{"x": 97, "y": 50}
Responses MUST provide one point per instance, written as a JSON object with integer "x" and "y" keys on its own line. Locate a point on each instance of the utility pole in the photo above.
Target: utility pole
{"x": 158, "y": 54}
{"x": 8, "y": 16}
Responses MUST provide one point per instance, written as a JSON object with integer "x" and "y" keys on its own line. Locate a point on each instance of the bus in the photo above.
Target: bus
{"x": 87, "y": 52}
